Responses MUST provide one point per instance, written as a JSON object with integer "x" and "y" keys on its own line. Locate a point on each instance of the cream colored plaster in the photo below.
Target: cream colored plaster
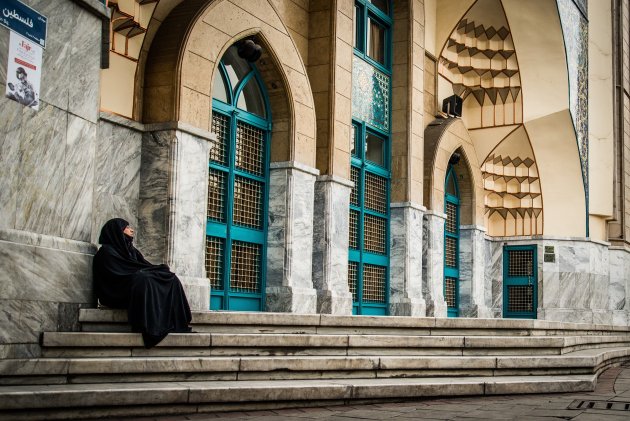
{"x": 444, "y": 90}
{"x": 430, "y": 26}
{"x": 597, "y": 228}
{"x": 455, "y": 137}
{"x": 555, "y": 146}
{"x": 537, "y": 34}
{"x": 515, "y": 145}
{"x": 448, "y": 14}
{"x": 600, "y": 111}
{"x": 485, "y": 140}
{"x": 117, "y": 85}
{"x": 238, "y": 19}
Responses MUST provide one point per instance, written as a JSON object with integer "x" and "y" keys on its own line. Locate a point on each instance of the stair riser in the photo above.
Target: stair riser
{"x": 283, "y": 375}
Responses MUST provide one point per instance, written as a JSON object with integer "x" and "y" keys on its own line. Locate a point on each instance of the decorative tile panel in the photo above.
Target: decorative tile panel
{"x": 370, "y": 94}
{"x": 575, "y": 30}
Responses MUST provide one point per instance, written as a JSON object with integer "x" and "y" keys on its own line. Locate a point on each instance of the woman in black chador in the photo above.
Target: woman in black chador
{"x": 152, "y": 294}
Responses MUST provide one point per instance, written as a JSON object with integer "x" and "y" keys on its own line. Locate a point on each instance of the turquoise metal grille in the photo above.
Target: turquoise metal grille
{"x": 521, "y": 263}
{"x": 375, "y": 234}
{"x": 354, "y": 195}
{"x": 220, "y": 127}
{"x": 214, "y": 261}
{"x": 374, "y": 283}
{"x": 216, "y": 195}
{"x": 353, "y": 276}
{"x": 248, "y": 203}
{"x": 451, "y": 217}
{"x": 375, "y": 193}
{"x": 450, "y": 258}
{"x": 520, "y": 298}
{"x": 249, "y": 148}
{"x": 354, "y": 229}
{"x": 450, "y": 292}
{"x": 245, "y": 273}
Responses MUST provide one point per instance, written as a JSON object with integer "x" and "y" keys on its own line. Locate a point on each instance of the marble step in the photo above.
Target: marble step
{"x": 147, "y": 369}
{"x": 249, "y": 322}
{"x": 75, "y": 401}
{"x": 224, "y": 344}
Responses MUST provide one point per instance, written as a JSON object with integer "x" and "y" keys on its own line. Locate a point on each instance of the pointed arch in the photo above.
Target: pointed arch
{"x": 442, "y": 138}
{"x": 181, "y": 66}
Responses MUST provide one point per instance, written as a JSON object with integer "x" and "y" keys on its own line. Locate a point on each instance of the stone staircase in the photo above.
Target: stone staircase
{"x": 270, "y": 360}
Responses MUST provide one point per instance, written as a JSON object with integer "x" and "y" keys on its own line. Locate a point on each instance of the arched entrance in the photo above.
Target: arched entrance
{"x": 451, "y": 241}
{"x": 238, "y": 178}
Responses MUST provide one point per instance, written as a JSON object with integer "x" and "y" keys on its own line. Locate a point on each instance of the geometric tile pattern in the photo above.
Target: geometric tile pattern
{"x": 370, "y": 94}
{"x": 575, "y": 30}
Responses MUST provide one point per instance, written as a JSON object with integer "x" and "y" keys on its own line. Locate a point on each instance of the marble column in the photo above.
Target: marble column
{"x": 330, "y": 245}
{"x": 433, "y": 263}
{"x": 290, "y": 239}
{"x": 406, "y": 260}
{"x": 173, "y": 195}
{"x": 618, "y": 293}
{"x": 494, "y": 276}
{"x": 472, "y": 272}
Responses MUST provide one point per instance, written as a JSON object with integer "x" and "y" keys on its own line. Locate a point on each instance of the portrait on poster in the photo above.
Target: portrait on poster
{"x": 24, "y": 71}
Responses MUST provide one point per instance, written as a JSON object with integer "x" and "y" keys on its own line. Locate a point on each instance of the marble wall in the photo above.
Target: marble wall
{"x": 173, "y": 202}
{"x": 330, "y": 245}
{"x": 405, "y": 283}
{"x": 578, "y": 280}
{"x": 473, "y": 301}
{"x": 433, "y": 263}
{"x": 51, "y": 182}
{"x": 289, "y": 286}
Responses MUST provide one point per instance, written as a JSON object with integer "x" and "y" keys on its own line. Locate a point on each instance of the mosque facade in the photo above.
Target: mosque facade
{"x": 424, "y": 158}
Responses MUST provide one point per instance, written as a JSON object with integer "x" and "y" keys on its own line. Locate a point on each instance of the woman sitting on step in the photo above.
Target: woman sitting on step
{"x": 153, "y": 295}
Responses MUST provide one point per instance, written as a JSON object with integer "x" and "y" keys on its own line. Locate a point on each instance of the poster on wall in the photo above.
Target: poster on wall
{"x": 24, "y": 71}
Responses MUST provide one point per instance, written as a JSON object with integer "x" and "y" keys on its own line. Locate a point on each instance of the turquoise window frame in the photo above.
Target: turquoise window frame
{"x": 365, "y": 12}
{"x": 228, "y": 231}
{"x": 520, "y": 280}
{"x": 360, "y": 255}
{"x": 452, "y": 272}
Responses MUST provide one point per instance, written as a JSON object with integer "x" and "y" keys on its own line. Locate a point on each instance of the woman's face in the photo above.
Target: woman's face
{"x": 128, "y": 231}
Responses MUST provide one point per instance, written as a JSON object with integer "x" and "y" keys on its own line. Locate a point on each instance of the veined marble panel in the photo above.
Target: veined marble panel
{"x": 575, "y": 290}
{"x": 617, "y": 289}
{"x": 599, "y": 292}
{"x": 84, "y": 82}
{"x": 33, "y": 272}
{"x": 290, "y": 239}
{"x": 116, "y": 176}
{"x": 433, "y": 264}
{"x": 22, "y": 321}
{"x": 330, "y": 245}
{"x": 473, "y": 301}
{"x": 78, "y": 189}
{"x": 494, "y": 276}
{"x": 406, "y": 226}
{"x": 59, "y": 58}
{"x": 10, "y": 134}
{"x": 573, "y": 256}
{"x": 189, "y": 191}
{"x": 41, "y": 170}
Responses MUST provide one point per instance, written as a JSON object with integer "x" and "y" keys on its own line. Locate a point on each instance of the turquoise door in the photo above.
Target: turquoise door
{"x": 451, "y": 243}
{"x": 520, "y": 282}
{"x": 238, "y": 173}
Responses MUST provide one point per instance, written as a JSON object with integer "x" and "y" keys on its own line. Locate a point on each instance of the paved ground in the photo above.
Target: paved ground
{"x": 611, "y": 402}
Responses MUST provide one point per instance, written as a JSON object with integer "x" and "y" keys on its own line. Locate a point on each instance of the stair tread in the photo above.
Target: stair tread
{"x": 81, "y": 395}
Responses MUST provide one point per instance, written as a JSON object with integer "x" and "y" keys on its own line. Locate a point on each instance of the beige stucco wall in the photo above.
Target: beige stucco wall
{"x": 553, "y": 141}
{"x": 600, "y": 98}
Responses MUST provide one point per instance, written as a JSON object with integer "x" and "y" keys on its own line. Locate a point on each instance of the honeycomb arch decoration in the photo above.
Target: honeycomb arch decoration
{"x": 513, "y": 198}
{"x": 479, "y": 61}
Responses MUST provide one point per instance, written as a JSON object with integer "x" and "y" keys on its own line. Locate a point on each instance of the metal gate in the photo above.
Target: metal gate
{"x": 520, "y": 282}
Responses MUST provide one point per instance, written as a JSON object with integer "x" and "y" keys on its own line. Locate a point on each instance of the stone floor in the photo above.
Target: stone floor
{"x": 609, "y": 402}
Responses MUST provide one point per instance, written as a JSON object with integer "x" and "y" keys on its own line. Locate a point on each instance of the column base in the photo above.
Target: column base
{"x": 286, "y": 299}
{"x": 408, "y": 307}
{"x": 197, "y": 291}
{"x": 334, "y": 302}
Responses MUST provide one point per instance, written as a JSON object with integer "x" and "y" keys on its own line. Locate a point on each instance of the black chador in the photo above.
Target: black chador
{"x": 152, "y": 294}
